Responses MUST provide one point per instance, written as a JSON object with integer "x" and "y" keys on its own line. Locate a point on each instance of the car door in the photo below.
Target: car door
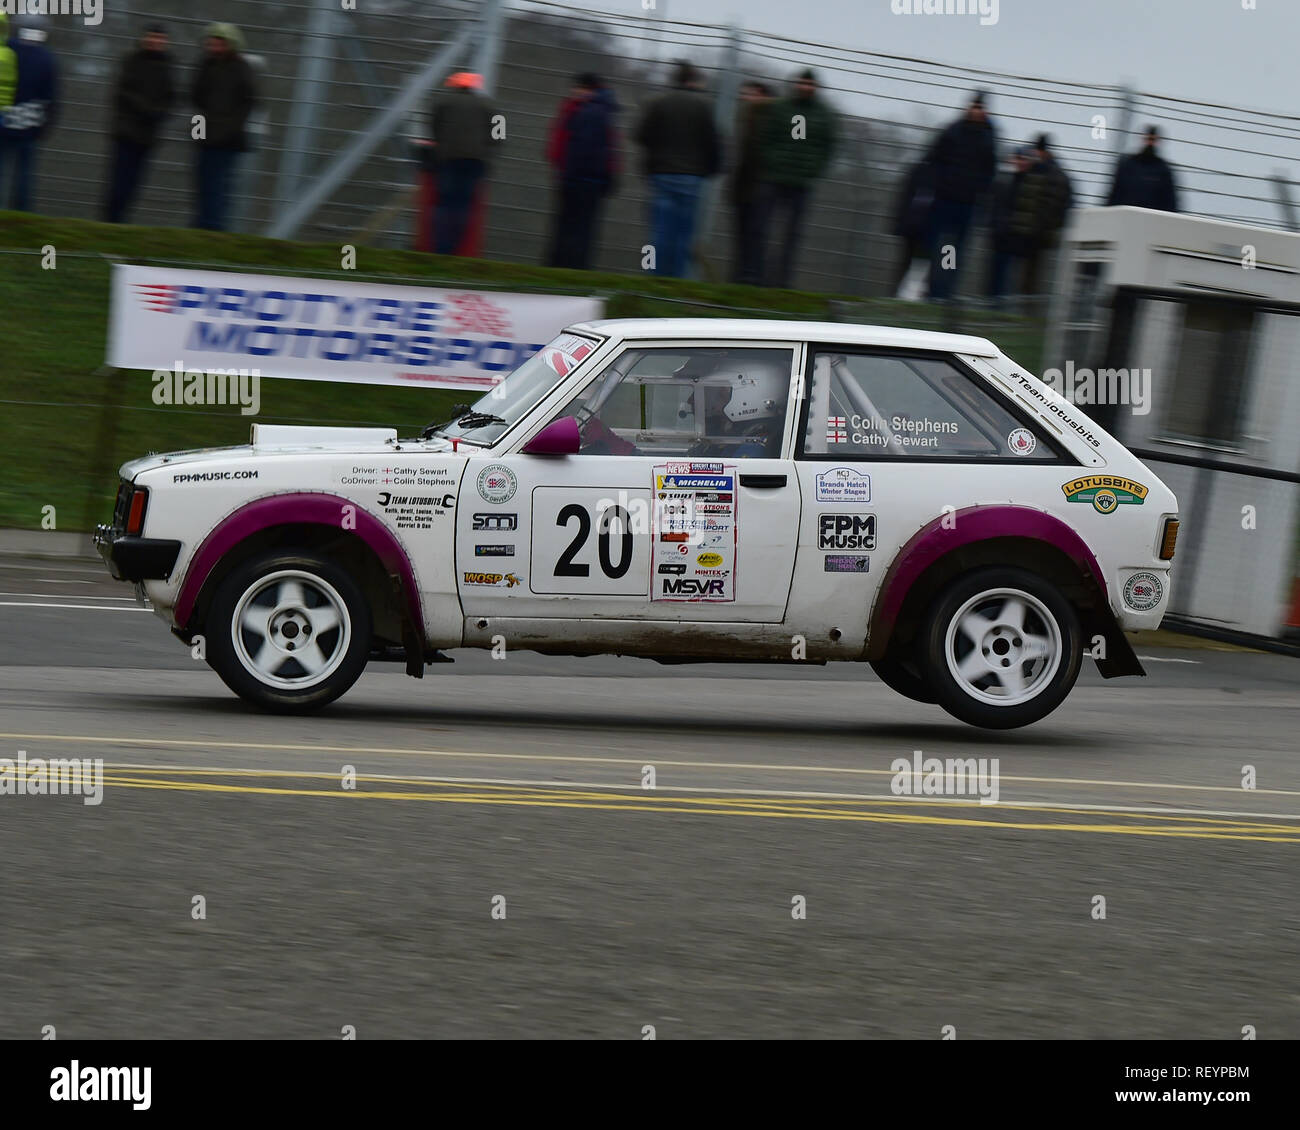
{"x": 682, "y": 503}
{"x": 892, "y": 440}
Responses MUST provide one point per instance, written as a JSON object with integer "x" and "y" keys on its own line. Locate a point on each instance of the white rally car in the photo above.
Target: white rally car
{"x": 684, "y": 490}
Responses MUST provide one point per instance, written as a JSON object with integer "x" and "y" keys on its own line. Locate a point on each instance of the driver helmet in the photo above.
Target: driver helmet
{"x": 758, "y": 392}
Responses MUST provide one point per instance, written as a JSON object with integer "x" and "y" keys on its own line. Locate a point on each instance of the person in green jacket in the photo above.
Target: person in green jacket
{"x": 795, "y": 146}
{"x": 8, "y": 66}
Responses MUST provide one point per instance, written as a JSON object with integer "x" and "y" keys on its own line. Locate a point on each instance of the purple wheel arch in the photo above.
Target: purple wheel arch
{"x": 973, "y": 524}
{"x": 297, "y": 509}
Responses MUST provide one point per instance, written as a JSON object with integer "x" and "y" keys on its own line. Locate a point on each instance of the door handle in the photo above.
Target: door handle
{"x": 762, "y": 482}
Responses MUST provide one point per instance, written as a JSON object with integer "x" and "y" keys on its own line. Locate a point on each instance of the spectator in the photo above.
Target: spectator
{"x": 461, "y": 123}
{"x": 743, "y": 189}
{"x": 8, "y": 87}
{"x": 1006, "y": 244}
{"x": 965, "y": 161}
{"x": 1144, "y": 179}
{"x": 583, "y": 150}
{"x": 34, "y": 109}
{"x": 141, "y": 99}
{"x": 912, "y": 220}
{"x": 682, "y": 150}
{"x": 796, "y": 143}
{"x": 1041, "y": 205}
{"x": 224, "y": 93}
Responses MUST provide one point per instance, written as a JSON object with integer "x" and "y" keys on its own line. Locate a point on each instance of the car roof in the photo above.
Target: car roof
{"x": 764, "y": 329}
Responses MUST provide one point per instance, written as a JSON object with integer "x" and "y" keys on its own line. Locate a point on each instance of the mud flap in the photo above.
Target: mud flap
{"x": 1119, "y": 657}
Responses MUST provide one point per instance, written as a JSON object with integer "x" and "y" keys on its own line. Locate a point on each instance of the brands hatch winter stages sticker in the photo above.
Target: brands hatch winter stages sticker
{"x": 693, "y": 555}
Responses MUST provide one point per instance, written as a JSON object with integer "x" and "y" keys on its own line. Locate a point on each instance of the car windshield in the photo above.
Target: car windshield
{"x": 485, "y": 421}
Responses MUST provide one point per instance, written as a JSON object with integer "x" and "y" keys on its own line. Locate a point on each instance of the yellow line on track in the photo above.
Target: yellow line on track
{"x": 648, "y": 758}
{"x": 543, "y": 797}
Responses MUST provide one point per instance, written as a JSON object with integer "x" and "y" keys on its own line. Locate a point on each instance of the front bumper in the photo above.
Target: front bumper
{"x": 131, "y": 558}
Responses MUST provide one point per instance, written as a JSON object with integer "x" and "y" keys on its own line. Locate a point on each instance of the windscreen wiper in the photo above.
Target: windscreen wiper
{"x": 479, "y": 419}
{"x": 432, "y": 428}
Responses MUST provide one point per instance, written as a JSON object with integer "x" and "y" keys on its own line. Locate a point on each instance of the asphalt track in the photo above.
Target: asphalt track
{"x": 625, "y": 907}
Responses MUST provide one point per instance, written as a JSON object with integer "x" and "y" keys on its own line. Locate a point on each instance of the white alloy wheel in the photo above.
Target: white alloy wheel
{"x": 291, "y": 630}
{"x": 1003, "y": 647}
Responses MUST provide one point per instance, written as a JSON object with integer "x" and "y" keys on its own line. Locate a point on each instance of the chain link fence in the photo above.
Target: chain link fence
{"x": 326, "y": 73}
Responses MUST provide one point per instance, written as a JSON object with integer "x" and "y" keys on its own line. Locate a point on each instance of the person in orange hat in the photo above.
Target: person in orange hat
{"x": 461, "y": 121}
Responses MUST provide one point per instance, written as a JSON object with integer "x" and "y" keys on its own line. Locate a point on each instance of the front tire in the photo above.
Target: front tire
{"x": 288, "y": 631}
{"x": 1001, "y": 648}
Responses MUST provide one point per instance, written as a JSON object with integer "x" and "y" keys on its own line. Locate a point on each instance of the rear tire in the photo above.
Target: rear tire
{"x": 289, "y": 631}
{"x": 1001, "y": 648}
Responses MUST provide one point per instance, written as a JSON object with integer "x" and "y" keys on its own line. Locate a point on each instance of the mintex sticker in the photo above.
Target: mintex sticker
{"x": 693, "y": 552}
{"x": 846, "y": 563}
{"x": 843, "y": 484}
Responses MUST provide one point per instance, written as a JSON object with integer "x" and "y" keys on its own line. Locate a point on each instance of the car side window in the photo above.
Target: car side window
{"x": 891, "y": 406}
{"x": 715, "y": 400}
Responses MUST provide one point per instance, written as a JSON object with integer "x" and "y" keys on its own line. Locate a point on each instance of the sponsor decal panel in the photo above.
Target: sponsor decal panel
{"x": 494, "y": 551}
{"x": 846, "y": 531}
{"x": 415, "y": 511}
{"x": 846, "y": 563}
{"x": 695, "y": 518}
{"x": 504, "y": 521}
{"x": 497, "y": 484}
{"x": 1022, "y": 442}
{"x": 493, "y": 580}
{"x": 1143, "y": 591}
{"x": 1106, "y": 492}
{"x": 843, "y": 484}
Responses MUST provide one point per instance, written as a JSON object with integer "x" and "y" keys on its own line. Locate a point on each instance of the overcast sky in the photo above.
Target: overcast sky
{"x": 1212, "y": 50}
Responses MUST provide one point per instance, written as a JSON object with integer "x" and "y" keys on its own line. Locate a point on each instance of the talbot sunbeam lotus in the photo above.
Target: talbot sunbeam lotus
{"x": 684, "y": 490}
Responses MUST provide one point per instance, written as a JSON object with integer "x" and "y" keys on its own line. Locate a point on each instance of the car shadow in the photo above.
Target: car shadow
{"x": 1044, "y": 736}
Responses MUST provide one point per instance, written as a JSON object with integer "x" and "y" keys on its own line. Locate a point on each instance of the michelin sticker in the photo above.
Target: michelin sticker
{"x": 843, "y": 484}
{"x": 694, "y": 548}
{"x": 497, "y": 483}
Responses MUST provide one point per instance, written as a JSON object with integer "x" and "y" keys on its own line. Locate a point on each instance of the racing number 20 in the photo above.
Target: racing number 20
{"x": 567, "y": 567}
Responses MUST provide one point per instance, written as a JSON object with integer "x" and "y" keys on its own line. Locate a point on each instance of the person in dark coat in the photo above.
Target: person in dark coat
{"x": 461, "y": 120}
{"x": 141, "y": 99}
{"x": 743, "y": 185}
{"x": 35, "y": 106}
{"x": 682, "y": 149}
{"x": 1144, "y": 179}
{"x": 583, "y": 150}
{"x": 1006, "y": 246}
{"x": 796, "y": 144}
{"x": 224, "y": 93}
{"x": 964, "y": 158}
{"x": 911, "y": 224}
{"x": 1041, "y": 206}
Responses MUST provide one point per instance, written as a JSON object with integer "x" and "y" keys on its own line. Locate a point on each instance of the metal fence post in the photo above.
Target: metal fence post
{"x": 314, "y": 62}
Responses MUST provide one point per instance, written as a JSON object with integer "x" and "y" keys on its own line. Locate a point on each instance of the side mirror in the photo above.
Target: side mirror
{"x": 559, "y": 437}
